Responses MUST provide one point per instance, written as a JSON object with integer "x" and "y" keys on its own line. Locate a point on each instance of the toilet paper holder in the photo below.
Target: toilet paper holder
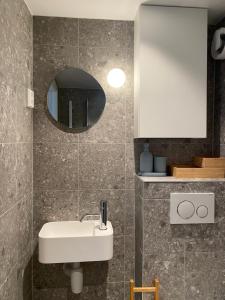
{"x": 218, "y": 44}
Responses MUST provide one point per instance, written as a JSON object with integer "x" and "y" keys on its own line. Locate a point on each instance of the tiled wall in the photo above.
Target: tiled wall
{"x": 73, "y": 172}
{"x": 189, "y": 260}
{"x": 16, "y": 147}
{"x": 220, "y": 98}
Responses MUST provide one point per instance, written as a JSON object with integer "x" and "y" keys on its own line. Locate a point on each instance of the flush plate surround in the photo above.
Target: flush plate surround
{"x": 192, "y": 208}
{"x": 74, "y": 241}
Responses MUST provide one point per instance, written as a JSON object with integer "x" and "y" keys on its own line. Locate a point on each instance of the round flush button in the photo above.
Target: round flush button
{"x": 202, "y": 211}
{"x": 186, "y": 209}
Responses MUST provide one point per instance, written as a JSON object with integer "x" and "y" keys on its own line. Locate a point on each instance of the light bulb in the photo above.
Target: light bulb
{"x": 116, "y": 77}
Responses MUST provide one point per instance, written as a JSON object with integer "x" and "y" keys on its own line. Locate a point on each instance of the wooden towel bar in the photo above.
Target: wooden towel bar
{"x": 153, "y": 289}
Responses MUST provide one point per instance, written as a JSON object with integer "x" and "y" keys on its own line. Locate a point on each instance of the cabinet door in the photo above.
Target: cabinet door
{"x": 171, "y": 72}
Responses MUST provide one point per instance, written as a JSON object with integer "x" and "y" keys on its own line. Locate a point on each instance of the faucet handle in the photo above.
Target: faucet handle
{"x": 103, "y": 214}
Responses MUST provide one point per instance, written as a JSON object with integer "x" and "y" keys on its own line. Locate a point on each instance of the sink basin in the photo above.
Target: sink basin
{"x": 74, "y": 241}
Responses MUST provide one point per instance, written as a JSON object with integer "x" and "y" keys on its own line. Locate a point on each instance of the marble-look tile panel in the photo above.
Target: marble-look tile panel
{"x": 8, "y": 176}
{"x": 102, "y": 33}
{"x": 56, "y": 166}
{"x": 8, "y": 291}
{"x": 204, "y": 276}
{"x": 109, "y": 291}
{"x": 56, "y": 31}
{"x": 24, "y": 277}
{"x": 102, "y": 166}
{"x": 8, "y": 113}
{"x": 129, "y": 221}
{"x": 46, "y": 132}
{"x": 169, "y": 268}
{"x": 89, "y": 204}
{"x": 158, "y": 235}
{"x": 50, "y": 294}
{"x": 8, "y": 243}
{"x": 52, "y": 206}
{"x": 162, "y": 190}
{"x": 24, "y": 171}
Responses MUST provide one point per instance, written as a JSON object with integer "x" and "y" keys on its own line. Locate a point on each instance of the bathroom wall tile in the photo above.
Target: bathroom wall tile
{"x": 56, "y": 166}
{"x": 50, "y": 294}
{"x": 48, "y": 61}
{"x": 130, "y": 168}
{"x": 129, "y": 257}
{"x": 138, "y": 224}
{"x": 48, "y": 276}
{"x": 129, "y": 120}
{"x": 24, "y": 223}
{"x": 56, "y": 31}
{"x": 8, "y": 291}
{"x": 129, "y": 221}
{"x": 24, "y": 116}
{"x": 24, "y": 277}
{"x": 102, "y": 33}
{"x": 8, "y": 113}
{"x": 8, "y": 176}
{"x": 24, "y": 171}
{"x": 158, "y": 235}
{"x": 130, "y": 34}
{"x": 52, "y": 206}
{"x": 99, "y": 61}
{"x": 109, "y": 291}
{"x": 102, "y": 166}
{"x": 204, "y": 275}
{"x": 45, "y": 131}
{"x": 163, "y": 190}
{"x": 166, "y": 267}
{"x": 110, "y": 128}
{"x": 8, "y": 243}
{"x": 89, "y": 204}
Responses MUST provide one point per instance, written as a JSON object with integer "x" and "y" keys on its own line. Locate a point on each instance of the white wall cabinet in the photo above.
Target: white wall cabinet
{"x": 170, "y": 72}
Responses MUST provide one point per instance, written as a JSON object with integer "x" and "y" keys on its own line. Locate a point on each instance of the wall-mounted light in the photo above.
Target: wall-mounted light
{"x": 116, "y": 78}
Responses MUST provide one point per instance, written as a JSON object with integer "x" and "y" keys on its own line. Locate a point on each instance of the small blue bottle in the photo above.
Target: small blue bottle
{"x": 146, "y": 160}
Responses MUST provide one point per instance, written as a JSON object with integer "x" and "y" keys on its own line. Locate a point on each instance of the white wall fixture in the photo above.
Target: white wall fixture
{"x": 30, "y": 98}
{"x": 74, "y": 242}
{"x": 170, "y": 76}
{"x": 218, "y": 44}
{"x": 116, "y": 78}
{"x": 192, "y": 208}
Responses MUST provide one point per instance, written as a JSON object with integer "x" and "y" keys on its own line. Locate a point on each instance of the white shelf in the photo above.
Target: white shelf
{"x": 174, "y": 179}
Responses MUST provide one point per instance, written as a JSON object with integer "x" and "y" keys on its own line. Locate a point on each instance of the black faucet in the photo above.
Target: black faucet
{"x": 103, "y": 215}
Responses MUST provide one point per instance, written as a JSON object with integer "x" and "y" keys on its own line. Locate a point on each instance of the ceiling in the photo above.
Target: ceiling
{"x": 116, "y": 9}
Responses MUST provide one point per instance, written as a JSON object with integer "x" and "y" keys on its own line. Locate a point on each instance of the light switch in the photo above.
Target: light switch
{"x": 30, "y": 98}
{"x": 192, "y": 208}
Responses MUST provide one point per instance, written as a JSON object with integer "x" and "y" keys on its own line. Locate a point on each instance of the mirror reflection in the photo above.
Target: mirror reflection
{"x": 75, "y": 100}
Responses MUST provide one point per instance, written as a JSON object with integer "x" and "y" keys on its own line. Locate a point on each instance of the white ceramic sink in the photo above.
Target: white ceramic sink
{"x": 74, "y": 241}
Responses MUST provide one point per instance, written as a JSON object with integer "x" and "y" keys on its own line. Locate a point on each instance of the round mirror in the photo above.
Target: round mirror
{"x": 75, "y": 100}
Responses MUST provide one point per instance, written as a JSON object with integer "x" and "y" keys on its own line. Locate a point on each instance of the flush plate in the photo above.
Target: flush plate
{"x": 192, "y": 208}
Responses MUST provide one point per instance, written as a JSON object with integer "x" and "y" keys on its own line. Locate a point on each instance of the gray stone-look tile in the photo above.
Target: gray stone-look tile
{"x": 162, "y": 190}
{"x": 130, "y": 168}
{"x": 169, "y": 268}
{"x": 204, "y": 276}
{"x": 89, "y": 204}
{"x": 55, "y": 166}
{"x": 8, "y": 291}
{"x": 52, "y": 206}
{"x": 129, "y": 120}
{"x": 109, "y": 291}
{"x": 45, "y": 131}
{"x": 50, "y": 294}
{"x": 8, "y": 176}
{"x": 102, "y": 33}
{"x": 102, "y": 166}
{"x": 129, "y": 221}
{"x": 24, "y": 116}
{"x": 8, "y": 113}
{"x": 158, "y": 235}
{"x": 24, "y": 171}
{"x": 8, "y": 243}
{"x": 48, "y": 61}
{"x": 129, "y": 257}
{"x": 55, "y": 31}
{"x": 24, "y": 277}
